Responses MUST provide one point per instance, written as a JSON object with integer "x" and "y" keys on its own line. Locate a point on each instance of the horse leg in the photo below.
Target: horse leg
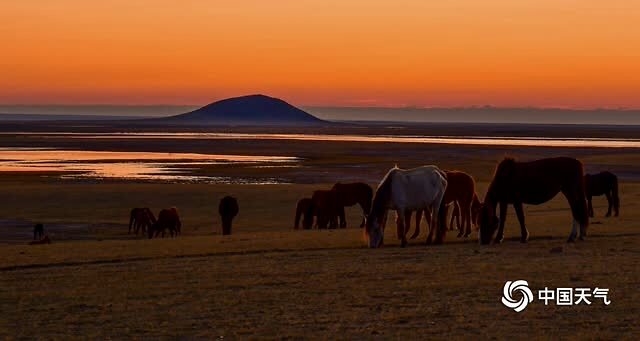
{"x": 343, "y": 220}
{"x": 524, "y": 233}
{"x": 400, "y": 227}
{"x": 466, "y": 218}
{"x": 416, "y": 233}
{"x": 610, "y": 202}
{"x": 503, "y": 217}
{"x": 430, "y": 234}
{"x": 407, "y": 221}
{"x": 589, "y": 197}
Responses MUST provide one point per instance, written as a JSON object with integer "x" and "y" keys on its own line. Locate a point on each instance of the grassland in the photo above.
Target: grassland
{"x": 268, "y": 281}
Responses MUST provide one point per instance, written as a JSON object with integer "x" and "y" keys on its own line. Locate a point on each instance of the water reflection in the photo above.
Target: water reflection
{"x": 459, "y": 140}
{"x": 175, "y": 167}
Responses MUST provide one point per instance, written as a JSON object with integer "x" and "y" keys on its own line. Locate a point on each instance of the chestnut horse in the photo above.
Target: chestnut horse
{"x": 168, "y": 219}
{"x": 351, "y": 194}
{"x": 140, "y": 219}
{"x": 460, "y": 191}
{"x": 603, "y": 183}
{"x": 534, "y": 183}
{"x": 302, "y": 210}
{"x": 406, "y": 190}
{"x": 228, "y": 209}
{"x": 326, "y": 207}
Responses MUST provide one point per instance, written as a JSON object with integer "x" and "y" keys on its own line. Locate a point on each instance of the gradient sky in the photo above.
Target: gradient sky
{"x": 560, "y": 53}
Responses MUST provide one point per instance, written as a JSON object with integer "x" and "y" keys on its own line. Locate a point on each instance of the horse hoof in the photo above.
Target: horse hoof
{"x": 459, "y": 235}
{"x": 499, "y": 240}
{"x": 571, "y": 240}
{"x": 403, "y": 243}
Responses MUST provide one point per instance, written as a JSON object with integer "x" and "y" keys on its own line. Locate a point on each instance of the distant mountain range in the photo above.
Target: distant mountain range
{"x": 248, "y": 110}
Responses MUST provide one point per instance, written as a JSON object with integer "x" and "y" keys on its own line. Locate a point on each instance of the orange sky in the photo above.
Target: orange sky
{"x": 564, "y": 53}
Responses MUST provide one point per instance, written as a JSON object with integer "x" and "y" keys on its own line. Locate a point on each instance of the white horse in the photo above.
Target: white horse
{"x": 404, "y": 191}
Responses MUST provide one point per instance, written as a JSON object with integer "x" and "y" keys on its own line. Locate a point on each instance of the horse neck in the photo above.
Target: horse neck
{"x": 381, "y": 198}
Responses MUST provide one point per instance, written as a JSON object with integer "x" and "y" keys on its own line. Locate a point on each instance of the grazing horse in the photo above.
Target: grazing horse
{"x": 168, "y": 219}
{"x": 44, "y": 240}
{"x": 302, "y": 210}
{"x": 38, "y": 231}
{"x": 351, "y": 194}
{"x": 228, "y": 209}
{"x": 602, "y": 183}
{"x": 326, "y": 207}
{"x": 140, "y": 219}
{"x": 406, "y": 190}
{"x": 460, "y": 191}
{"x": 534, "y": 183}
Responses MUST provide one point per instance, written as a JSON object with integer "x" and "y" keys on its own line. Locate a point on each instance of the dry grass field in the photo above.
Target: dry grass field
{"x": 269, "y": 281}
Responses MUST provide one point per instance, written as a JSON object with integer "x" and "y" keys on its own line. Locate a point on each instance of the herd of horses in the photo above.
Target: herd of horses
{"x": 429, "y": 191}
{"x": 142, "y": 220}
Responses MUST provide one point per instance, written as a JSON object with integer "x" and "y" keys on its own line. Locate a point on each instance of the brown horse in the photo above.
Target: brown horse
{"x": 351, "y": 194}
{"x": 44, "y": 240}
{"x": 228, "y": 209}
{"x": 38, "y": 231}
{"x": 460, "y": 191}
{"x": 140, "y": 219}
{"x": 534, "y": 183}
{"x": 302, "y": 210}
{"x": 603, "y": 183}
{"x": 326, "y": 207}
{"x": 168, "y": 219}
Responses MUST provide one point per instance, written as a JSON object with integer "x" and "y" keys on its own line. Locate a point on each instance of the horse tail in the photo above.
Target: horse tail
{"x": 296, "y": 223}
{"x": 614, "y": 194}
{"x": 132, "y": 219}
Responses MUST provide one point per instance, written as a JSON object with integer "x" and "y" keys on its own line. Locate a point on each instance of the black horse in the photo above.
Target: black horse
{"x": 603, "y": 183}
{"x": 534, "y": 183}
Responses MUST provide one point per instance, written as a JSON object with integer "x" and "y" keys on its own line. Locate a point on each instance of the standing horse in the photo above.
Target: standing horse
{"x": 401, "y": 190}
{"x": 460, "y": 191}
{"x": 351, "y": 194}
{"x": 534, "y": 183}
{"x": 603, "y": 183}
{"x": 168, "y": 219}
{"x": 326, "y": 207}
{"x": 302, "y": 210}
{"x": 228, "y": 209}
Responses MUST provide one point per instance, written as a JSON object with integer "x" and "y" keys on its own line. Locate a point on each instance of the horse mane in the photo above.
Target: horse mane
{"x": 500, "y": 177}
{"x": 383, "y": 192}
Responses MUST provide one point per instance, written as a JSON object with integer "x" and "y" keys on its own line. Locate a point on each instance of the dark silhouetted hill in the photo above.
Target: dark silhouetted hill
{"x": 248, "y": 110}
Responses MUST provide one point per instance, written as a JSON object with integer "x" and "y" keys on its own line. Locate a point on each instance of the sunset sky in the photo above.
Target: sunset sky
{"x": 547, "y": 53}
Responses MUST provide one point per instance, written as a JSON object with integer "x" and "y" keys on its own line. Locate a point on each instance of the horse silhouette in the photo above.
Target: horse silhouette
{"x": 168, "y": 220}
{"x": 228, "y": 209}
{"x": 534, "y": 183}
{"x": 603, "y": 183}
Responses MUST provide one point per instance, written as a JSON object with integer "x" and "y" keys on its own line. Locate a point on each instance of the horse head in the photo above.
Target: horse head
{"x": 488, "y": 222}
{"x": 373, "y": 231}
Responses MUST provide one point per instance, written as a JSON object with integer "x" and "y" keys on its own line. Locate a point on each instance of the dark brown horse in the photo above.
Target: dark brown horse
{"x": 351, "y": 194}
{"x": 38, "y": 231}
{"x": 326, "y": 207}
{"x": 460, "y": 191}
{"x": 168, "y": 220}
{"x": 140, "y": 219}
{"x": 603, "y": 183}
{"x": 534, "y": 183}
{"x": 302, "y": 210}
{"x": 228, "y": 209}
